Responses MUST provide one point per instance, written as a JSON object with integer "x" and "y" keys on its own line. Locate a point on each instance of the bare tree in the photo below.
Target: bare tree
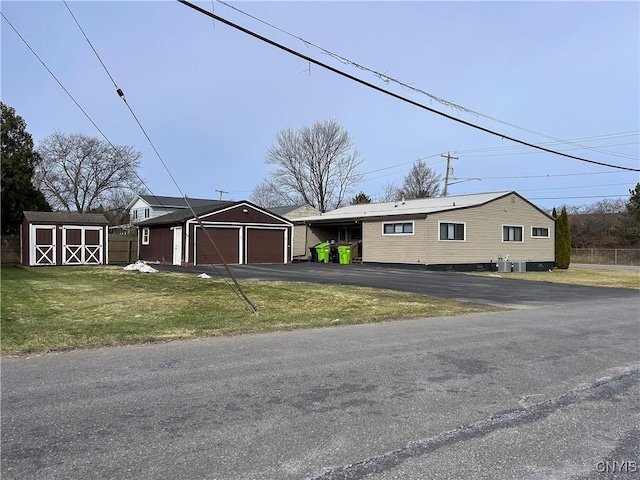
{"x": 317, "y": 164}
{"x": 390, "y": 192}
{"x": 421, "y": 182}
{"x": 596, "y": 225}
{"x": 78, "y": 173}
{"x": 267, "y": 195}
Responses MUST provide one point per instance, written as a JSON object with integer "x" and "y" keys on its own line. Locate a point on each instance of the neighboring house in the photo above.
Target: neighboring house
{"x": 295, "y": 211}
{"x": 461, "y": 232}
{"x": 63, "y": 238}
{"x": 241, "y": 231}
{"x": 145, "y": 207}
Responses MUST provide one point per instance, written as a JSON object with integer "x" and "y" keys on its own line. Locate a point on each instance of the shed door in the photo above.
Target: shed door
{"x": 227, "y": 240}
{"x": 82, "y": 245}
{"x": 42, "y": 245}
{"x": 265, "y": 245}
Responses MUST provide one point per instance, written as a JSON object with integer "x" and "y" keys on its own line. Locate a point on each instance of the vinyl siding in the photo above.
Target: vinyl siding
{"x": 305, "y": 237}
{"x": 483, "y": 234}
{"x": 377, "y": 247}
{"x": 300, "y": 248}
{"x": 304, "y": 211}
{"x": 154, "y": 212}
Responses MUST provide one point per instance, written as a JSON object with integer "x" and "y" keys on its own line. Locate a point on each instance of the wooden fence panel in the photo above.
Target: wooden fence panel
{"x": 123, "y": 249}
{"x": 10, "y": 252}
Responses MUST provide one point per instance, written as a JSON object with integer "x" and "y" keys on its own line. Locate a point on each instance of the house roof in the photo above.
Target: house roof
{"x": 408, "y": 207}
{"x": 172, "y": 202}
{"x": 186, "y": 213}
{"x": 66, "y": 217}
{"x": 286, "y": 209}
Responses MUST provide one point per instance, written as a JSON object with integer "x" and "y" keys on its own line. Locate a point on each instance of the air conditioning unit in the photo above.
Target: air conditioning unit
{"x": 504, "y": 266}
{"x": 520, "y": 266}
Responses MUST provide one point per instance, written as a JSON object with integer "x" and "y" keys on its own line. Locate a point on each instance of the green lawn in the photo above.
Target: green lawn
{"x": 51, "y": 309}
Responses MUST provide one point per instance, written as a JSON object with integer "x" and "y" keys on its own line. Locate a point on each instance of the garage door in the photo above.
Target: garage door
{"x": 265, "y": 245}
{"x": 227, "y": 241}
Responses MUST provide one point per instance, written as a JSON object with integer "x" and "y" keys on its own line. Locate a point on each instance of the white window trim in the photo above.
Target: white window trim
{"x": 413, "y": 229}
{"x": 514, "y": 226}
{"x": 147, "y": 212}
{"x": 452, "y": 240}
{"x": 548, "y": 235}
{"x": 148, "y": 235}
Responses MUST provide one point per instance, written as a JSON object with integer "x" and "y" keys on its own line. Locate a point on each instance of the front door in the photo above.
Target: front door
{"x": 177, "y": 245}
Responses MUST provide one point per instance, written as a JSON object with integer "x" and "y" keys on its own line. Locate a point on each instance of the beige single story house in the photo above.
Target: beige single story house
{"x": 459, "y": 232}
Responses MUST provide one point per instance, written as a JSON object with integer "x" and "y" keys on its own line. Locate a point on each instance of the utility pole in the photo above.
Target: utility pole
{"x": 449, "y": 172}
{"x": 221, "y": 192}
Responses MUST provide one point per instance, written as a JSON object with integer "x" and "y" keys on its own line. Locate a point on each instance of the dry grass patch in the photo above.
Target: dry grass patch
{"x": 49, "y": 309}
{"x": 578, "y": 276}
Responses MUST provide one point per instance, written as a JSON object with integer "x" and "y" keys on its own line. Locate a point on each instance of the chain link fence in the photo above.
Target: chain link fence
{"x": 606, "y": 256}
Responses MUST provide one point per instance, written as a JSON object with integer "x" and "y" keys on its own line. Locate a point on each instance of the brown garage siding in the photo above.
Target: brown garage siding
{"x": 237, "y": 215}
{"x": 227, "y": 241}
{"x": 160, "y": 248}
{"x": 265, "y": 245}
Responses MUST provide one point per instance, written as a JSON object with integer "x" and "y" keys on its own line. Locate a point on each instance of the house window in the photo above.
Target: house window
{"x": 146, "y": 213}
{"x": 135, "y": 214}
{"x": 145, "y": 236}
{"x": 511, "y": 233}
{"x": 540, "y": 232}
{"x": 405, "y": 228}
{"x": 452, "y": 231}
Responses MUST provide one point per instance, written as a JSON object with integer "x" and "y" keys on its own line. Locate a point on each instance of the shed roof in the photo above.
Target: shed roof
{"x": 66, "y": 217}
{"x": 408, "y": 207}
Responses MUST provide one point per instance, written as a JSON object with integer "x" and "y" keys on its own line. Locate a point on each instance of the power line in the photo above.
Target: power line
{"x": 240, "y": 292}
{"x": 574, "y": 187}
{"x": 584, "y": 139}
{"x": 584, "y": 196}
{"x": 387, "y": 79}
{"x": 395, "y": 95}
{"x": 566, "y": 150}
{"x": 110, "y": 143}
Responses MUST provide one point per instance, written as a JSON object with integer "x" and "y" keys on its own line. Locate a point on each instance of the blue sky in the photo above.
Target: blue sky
{"x": 212, "y": 99}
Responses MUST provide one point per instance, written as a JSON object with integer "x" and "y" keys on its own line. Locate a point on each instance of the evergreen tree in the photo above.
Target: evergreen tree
{"x": 630, "y": 220}
{"x": 563, "y": 240}
{"x": 361, "y": 198}
{"x": 18, "y": 161}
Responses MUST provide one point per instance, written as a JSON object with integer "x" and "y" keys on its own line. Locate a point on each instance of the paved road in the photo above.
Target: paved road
{"x": 469, "y": 288}
{"x": 522, "y": 394}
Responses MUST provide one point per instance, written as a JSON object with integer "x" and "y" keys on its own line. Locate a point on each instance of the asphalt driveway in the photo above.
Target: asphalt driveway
{"x": 476, "y": 289}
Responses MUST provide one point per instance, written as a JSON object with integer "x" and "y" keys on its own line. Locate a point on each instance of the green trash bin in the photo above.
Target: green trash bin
{"x": 323, "y": 252}
{"x": 345, "y": 254}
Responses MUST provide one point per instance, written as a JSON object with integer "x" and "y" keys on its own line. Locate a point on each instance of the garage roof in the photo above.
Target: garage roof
{"x": 408, "y": 207}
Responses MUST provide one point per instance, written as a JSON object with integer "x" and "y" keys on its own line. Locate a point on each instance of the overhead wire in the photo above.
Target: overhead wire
{"x": 114, "y": 148}
{"x": 240, "y": 292}
{"x": 395, "y": 95}
{"x": 388, "y": 79}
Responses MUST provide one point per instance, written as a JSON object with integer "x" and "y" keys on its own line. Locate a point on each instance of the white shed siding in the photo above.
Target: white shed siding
{"x": 380, "y": 248}
{"x": 483, "y": 234}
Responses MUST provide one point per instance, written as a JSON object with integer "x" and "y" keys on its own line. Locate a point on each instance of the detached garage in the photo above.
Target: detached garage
{"x": 63, "y": 238}
{"x": 236, "y": 232}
